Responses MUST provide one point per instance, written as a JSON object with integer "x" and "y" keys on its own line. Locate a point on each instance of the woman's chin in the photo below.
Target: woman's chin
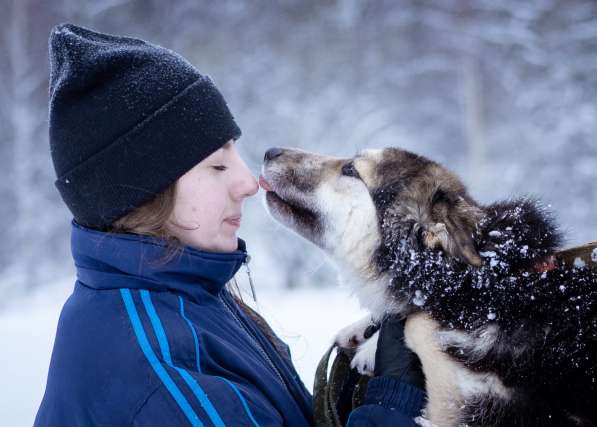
{"x": 228, "y": 243}
{"x": 225, "y": 242}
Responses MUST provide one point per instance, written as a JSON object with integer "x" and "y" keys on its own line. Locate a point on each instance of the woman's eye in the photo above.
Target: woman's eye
{"x": 349, "y": 170}
{"x": 220, "y": 168}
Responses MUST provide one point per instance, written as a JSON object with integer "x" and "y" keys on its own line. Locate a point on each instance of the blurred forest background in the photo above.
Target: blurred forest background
{"x": 503, "y": 93}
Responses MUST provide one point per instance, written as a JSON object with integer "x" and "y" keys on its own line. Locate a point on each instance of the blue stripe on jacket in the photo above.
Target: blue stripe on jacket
{"x": 163, "y": 341}
{"x": 198, "y": 357}
{"x": 153, "y": 360}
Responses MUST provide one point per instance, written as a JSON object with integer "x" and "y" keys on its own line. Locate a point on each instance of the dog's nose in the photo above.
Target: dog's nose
{"x": 272, "y": 153}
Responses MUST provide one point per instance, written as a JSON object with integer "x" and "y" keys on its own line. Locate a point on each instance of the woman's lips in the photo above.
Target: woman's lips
{"x": 264, "y": 184}
{"x": 235, "y": 221}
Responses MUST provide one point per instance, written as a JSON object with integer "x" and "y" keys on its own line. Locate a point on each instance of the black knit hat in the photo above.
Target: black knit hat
{"x": 127, "y": 119}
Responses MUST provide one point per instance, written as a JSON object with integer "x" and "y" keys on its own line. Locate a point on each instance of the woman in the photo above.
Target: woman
{"x": 143, "y": 147}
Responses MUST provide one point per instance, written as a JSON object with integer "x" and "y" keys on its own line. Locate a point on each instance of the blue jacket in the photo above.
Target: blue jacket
{"x": 140, "y": 344}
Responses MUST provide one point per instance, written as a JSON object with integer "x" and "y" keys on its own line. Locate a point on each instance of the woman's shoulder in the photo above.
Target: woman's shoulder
{"x": 95, "y": 359}
{"x": 94, "y": 331}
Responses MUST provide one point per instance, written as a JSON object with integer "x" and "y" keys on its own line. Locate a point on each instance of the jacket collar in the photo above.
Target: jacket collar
{"x": 126, "y": 260}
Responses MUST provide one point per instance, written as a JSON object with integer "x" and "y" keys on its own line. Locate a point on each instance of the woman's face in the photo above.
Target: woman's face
{"x": 209, "y": 198}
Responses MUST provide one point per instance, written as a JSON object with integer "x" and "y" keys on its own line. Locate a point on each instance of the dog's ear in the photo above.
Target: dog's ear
{"x": 450, "y": 226}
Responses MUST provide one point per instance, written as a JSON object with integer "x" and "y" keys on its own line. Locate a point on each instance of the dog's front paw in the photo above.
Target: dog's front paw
{"x": 356, "y": 333}
{"x": 364, "y": 359}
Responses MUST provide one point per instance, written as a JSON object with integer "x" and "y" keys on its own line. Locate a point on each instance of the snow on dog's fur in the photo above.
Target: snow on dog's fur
{"x": 501, "y": 342}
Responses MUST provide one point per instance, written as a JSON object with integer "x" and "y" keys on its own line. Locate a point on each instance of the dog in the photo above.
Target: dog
{"x": 504, "y": 339}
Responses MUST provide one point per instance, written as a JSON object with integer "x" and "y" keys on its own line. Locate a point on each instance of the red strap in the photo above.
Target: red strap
{"x": 547, "y": 264}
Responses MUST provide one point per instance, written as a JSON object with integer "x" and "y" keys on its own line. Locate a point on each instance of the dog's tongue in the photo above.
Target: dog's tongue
{"x": 264, "y": 184}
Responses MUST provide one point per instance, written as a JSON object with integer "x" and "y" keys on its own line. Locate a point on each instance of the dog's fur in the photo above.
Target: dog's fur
{"x": 501, "y": 342}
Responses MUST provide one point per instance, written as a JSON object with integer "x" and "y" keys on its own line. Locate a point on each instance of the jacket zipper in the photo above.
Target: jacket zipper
{"x": 246, "y": 263}
{"x": 254, "y": 341}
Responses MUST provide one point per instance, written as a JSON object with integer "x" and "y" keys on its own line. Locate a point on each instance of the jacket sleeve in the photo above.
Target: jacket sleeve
{"x": 206, "y": 400}
{"x": 388, "y": 402}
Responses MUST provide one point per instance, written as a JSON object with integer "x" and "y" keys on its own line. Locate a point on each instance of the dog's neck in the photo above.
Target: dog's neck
{"x": 372, "y": 291}
{"x": 511, "y": 239}
{"x": 512, "y": 236}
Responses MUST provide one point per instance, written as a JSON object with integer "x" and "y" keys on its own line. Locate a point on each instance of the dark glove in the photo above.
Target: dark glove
{"x": 394, "y": 358}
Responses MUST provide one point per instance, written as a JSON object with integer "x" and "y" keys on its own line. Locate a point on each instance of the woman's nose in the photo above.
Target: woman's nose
{"x": 253, "y": 188}
{"x": 248, "y": 186}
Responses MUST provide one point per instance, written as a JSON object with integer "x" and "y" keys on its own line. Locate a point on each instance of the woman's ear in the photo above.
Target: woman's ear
{"x": 451, "y": 227}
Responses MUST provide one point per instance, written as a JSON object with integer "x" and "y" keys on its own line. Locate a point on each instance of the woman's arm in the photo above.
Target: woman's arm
{"x": 208, "y": 400}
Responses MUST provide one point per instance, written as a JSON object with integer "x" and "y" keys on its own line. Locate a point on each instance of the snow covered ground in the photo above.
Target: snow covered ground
{"x": 305, "y": 318}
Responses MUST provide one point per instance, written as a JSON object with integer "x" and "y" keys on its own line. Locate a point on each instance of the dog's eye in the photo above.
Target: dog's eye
{"x": 349, "y": 170}
{"x": 441, "y": 196}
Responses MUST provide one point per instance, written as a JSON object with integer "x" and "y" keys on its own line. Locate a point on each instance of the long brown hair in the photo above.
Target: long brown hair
{"x": 151, "y": 218}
